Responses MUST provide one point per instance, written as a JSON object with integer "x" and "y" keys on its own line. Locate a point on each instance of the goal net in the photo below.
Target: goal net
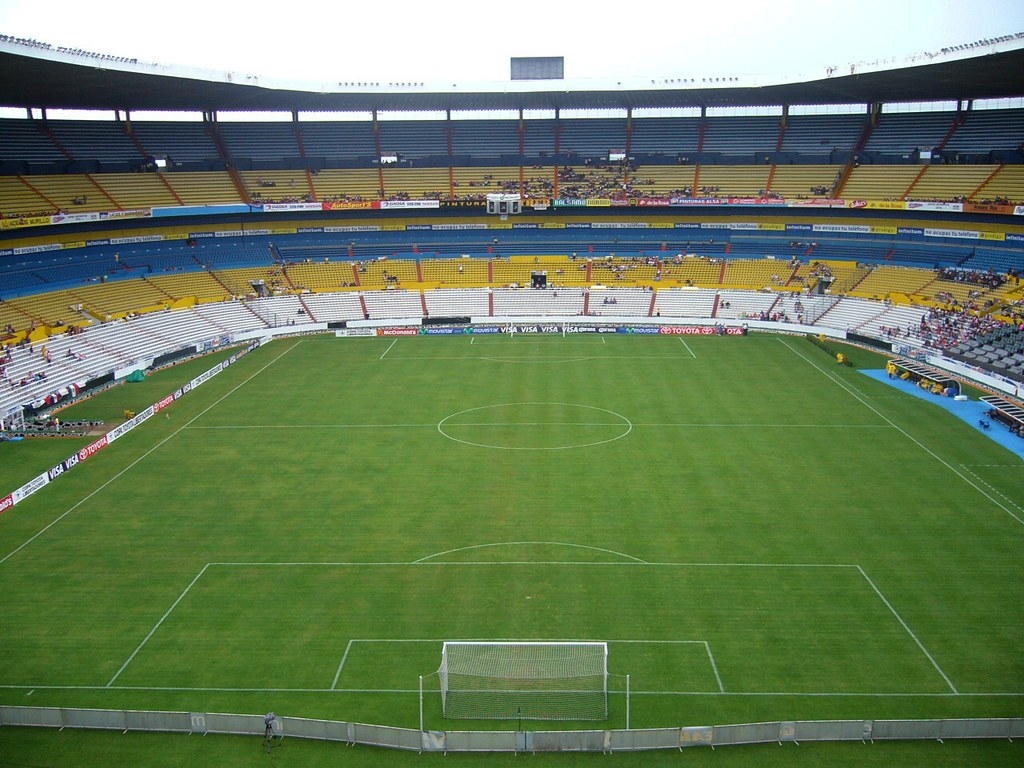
{"x": 524, "y": 680}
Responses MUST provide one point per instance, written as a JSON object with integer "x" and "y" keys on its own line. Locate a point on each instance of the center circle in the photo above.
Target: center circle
{"x": 535, "y": 426}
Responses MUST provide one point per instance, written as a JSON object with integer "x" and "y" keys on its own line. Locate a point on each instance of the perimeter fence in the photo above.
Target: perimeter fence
{"x": 622, "y": 740}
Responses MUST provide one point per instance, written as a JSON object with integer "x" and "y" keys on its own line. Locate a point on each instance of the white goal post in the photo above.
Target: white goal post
{"x": 524, "y": 680}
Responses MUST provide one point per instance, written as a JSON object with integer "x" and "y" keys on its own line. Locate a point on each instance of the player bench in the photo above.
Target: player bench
{"x": 927, "y": 377}
{"x": 1006, "y": 412}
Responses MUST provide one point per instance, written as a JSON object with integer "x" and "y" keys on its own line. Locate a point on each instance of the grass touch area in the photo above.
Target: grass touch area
{"x": 758, "y": 533}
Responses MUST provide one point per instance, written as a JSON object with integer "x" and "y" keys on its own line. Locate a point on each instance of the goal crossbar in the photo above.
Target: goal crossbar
{"x": 525, "y": 680}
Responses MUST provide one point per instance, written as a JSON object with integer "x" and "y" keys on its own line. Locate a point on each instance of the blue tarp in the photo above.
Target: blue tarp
{"x": 971, "y": 411}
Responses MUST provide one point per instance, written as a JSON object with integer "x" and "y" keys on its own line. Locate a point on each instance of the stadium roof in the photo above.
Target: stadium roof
{"x": 75, "y": 81}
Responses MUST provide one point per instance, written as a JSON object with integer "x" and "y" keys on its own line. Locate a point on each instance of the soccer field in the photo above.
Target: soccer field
{"x": 757, "y": 533}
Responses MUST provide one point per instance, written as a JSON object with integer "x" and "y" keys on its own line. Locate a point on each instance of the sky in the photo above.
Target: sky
{"x": 460, "y": 41}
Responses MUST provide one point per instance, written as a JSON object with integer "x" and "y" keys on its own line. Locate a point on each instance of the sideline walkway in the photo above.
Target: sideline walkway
{"x": 971, "y": 411}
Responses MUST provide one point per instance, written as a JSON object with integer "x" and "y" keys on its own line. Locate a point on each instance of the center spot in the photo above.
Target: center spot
{"x": 535, "y": 426}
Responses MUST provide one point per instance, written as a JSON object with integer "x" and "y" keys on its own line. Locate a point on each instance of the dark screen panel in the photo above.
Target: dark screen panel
{"x": 538, "y": 68}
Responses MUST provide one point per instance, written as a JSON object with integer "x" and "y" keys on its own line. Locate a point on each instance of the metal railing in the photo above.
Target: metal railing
{"x": 619, "y": 740}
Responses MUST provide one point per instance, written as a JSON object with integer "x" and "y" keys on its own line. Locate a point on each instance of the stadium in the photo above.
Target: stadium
{"x": 533, "y": 419}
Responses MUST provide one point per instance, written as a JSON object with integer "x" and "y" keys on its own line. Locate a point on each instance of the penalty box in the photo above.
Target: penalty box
{"x": 674, "y": 628}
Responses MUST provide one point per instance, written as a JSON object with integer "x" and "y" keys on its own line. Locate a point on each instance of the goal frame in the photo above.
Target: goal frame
{"x": 524, "y": 680}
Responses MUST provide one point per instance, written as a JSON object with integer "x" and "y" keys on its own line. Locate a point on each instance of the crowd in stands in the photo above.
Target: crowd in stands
{"x": 1015, "y": 311}
{"x": 987, "y": 278}
{"x": 537, "y": 187}
{"x": 942, "y": 328}
{"x": 485, "y": 181}
{"x": 606, "y": 182}
{"x": 259, "y": 199}
{"x": 27, "y": 377}
{"x": 620, "y": 268}
{"x": 956, "y": 319}
{"x": 779, "y": 316}
{"x": 610, "y": 181}
{"x": 595, "y": 187}
{"x": 820, "y": 269}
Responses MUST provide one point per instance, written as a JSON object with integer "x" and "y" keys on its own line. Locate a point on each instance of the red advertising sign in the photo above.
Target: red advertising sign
{"x": 93, "y": 448}
{"x": 398, "y": 331}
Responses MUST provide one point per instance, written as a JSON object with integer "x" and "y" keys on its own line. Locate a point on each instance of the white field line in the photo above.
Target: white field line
{"x": 157, "y": 625}
{"x": 714, "y": 667}
{"x": 832, "y": 695}
{"x": 704, "y": 643}
{"x": 425, "y": 558}
{"x": 131, "y": 466}
{"x": 1002, "y": 467}
{"x": 492, "y": 358}
{"x": 854, "y": 393}
{"x": 341, "y": 664}
{"x": 632, "y": 562}
{"x": 908, "y": 630}
{"x": 317, "y": 426}
{"x": 634, "y": 691}
{"x": 683, "y": 425}
{"x": 393, "y": 342}
{"x": 424, "y": 562}
{"x": 557, "y": 342}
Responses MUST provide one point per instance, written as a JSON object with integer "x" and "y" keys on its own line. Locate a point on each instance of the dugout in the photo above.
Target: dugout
{"x": 1006, "y": 412}
{"x": 924, "y": 376}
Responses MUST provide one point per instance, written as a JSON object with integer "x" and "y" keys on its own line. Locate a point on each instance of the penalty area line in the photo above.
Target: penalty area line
{"x": 907, "y": 629}
{"x": 341, "y": 664}
{"x": 714, "y": 666}
{"x": 393, "y": 342}
{"x": 157, "y": 626}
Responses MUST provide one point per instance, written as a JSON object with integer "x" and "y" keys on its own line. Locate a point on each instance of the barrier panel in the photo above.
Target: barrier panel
{"x": 174, "y": 722}
{"x": 236, "y": 724}
{"x": 1010, "y": 728}
{"x": 833, "y": 730}
{"x": 567, "y": 741}
{"x": 105, "y": 719}
{"x": 325, "y": 730}
{"x": 516, "y": 741}
{"x": 33, "y": 716}
{"x": 906, "y": 729}
{"x": 434, "y": 741}
{"x": 387, "y": 736}
{"x": 655, "y": 738}
{"x": 481, "y": 741}
{"x": 751, "y": 733}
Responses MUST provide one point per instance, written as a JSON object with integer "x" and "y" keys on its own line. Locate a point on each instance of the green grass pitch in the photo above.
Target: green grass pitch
{"x": 757, "y": 533}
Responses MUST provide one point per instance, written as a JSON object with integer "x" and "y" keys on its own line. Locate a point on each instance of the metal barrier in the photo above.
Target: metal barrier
{"x": 516, "y": 741}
